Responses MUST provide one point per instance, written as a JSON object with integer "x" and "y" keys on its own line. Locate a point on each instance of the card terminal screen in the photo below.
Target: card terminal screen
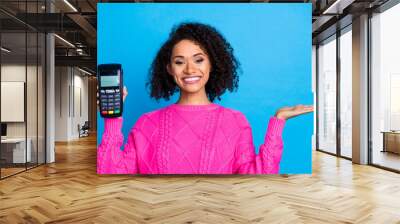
{"x": 109, "y": 81}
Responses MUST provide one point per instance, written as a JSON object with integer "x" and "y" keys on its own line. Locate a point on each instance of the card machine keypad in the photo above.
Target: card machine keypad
{"x": 110, "y": 101}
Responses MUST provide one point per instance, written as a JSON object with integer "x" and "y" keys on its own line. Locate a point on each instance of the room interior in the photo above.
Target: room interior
{"x": 48, "y": 92}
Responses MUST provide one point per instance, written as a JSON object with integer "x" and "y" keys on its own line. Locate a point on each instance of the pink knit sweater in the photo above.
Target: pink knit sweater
{"x": 189, "y": 139}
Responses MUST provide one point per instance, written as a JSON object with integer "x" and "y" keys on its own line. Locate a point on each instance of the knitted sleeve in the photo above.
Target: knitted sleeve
{"x": 268, "y": 159}
{"x": 110, "y": 158}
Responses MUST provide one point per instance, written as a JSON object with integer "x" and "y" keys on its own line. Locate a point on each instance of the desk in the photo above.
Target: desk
{"x": 18, "y": 150}
{"x": 391, "y": 141}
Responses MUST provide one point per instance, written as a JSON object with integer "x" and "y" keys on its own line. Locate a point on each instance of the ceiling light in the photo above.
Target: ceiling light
{"x": 65, "y": 41}
{"x": 5, "y": 50}
{"x": 86, "y": 72}
{"x": 70, "y": 5}
{"x": 337, "y": 7}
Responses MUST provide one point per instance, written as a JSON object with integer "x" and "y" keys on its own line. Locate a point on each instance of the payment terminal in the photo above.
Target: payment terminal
{"x": 110, "y": 90}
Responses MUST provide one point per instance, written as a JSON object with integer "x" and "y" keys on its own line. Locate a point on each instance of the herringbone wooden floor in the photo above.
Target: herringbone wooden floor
{"x": 70, "y": 191}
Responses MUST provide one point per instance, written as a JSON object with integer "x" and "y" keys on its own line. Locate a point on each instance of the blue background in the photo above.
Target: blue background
{"x": 271, "y": 41}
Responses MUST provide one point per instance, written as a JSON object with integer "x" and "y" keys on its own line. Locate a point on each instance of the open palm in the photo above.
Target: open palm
{"x": 289, "y": 112}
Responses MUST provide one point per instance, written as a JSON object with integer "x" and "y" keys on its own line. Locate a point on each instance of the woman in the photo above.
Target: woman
{"x": 194, "y": 135}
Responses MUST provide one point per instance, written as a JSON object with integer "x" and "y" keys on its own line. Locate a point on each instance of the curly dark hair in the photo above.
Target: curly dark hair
{"x": 224, "y": 65}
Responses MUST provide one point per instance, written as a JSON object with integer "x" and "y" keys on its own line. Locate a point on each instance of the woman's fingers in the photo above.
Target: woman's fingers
{"x": 125, "y": 93}
{"x": 301, "y": 109}
{"x": 308, "y": 108}
{"x": 97, "y": 98}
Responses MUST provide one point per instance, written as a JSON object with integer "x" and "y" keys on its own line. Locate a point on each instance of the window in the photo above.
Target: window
{"x": 346, "y": 92}
{"x": 385, "y": 88}
{"x": 327, "y": 95}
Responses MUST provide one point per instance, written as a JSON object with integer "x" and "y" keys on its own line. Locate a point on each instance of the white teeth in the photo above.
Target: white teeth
{"x": 191, "y": 79}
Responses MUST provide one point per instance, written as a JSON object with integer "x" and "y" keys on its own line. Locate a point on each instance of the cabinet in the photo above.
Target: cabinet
{"x": 391, "y": 141}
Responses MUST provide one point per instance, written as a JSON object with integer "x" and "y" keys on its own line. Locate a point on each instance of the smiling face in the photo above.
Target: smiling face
{"x": 190, "y": 66}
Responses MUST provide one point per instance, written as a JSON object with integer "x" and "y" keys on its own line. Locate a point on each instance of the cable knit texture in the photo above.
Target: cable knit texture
{"x": 189, "y": 139}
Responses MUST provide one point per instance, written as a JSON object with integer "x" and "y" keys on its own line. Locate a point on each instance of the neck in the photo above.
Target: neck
{"x": 199, "y": 98}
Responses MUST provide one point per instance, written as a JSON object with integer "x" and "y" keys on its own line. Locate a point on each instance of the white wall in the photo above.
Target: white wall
{"x": 70, "y": 84}
{"x": 62, "y": 82}
{"x": 16, "y": 72}
{"x": 33, "y": 127}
